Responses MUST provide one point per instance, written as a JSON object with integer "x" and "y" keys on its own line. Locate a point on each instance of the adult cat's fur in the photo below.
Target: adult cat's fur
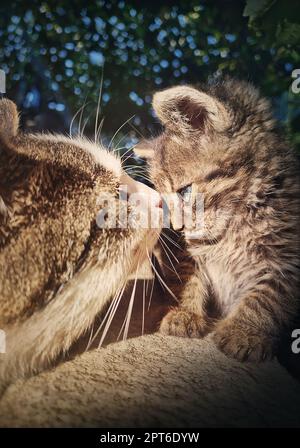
{"x": 57, "y": 267}
{"x": 241, "y": 278}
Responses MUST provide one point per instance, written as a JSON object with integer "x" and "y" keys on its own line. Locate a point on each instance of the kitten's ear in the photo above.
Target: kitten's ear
{"x": 185, "y": 109}
{"x": 144, "y": 149}
{"x": 9, "y": 120}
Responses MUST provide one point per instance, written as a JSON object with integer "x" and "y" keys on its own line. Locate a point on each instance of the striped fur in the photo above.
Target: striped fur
{"x": 244, "y": 277}
{"x": 57, "y": 268}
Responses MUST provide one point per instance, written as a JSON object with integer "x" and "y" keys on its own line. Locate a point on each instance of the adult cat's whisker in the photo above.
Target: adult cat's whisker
{"x": 74, "y": 117}
{"x": 100, "y": 129}
{"x": 117, "y": 147}
{"x": 111, "y": 305}
{"x": 137, "y": 172}
{"x": 118, "y": 130}
{"x": 90, "y": 337}
{"x": 81, "y": 115}
{"x": 136, "y": 130}
{"x": 111, "y": 315}
{"x": 143, "y": 311}
{"x": 151, "y": 292}
{"x": 85, "y": 123}
{"x": 76, "y": 304}
{"x": 98, "y": 106}
{"x": 130, "y": 306}
{"x": 127, "y": 150}
{"x": 130, "y": 173}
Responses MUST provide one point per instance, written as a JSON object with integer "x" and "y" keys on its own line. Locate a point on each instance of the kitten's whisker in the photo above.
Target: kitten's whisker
{"x": 171, "y": 241}
{"x": 160, "y": 278}
{"x": 173, "y": 267}
{"x": 168, "y": 248}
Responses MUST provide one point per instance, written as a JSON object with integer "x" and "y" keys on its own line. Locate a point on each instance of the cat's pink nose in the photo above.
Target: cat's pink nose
{"x": 145, "y": 193}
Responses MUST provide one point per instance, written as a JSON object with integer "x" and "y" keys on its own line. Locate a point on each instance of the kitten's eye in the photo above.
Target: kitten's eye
{"x": 185, "y": 192}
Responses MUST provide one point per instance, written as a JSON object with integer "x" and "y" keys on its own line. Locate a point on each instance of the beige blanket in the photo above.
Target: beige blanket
{"x": 153, "y": 381}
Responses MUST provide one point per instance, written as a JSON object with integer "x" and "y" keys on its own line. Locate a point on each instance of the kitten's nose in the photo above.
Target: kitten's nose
{"x": 176, "y": 212}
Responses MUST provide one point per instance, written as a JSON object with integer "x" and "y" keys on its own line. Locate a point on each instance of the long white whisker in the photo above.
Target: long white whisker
{"x": 129, "y": 312}
{"x": 168, "y": 248}
{"x": 173, "y": 267}
{"x": 85, "y": 123}
{"x": 98, "y": 106}
{"x": 171, "y": 241}
{"x": 151, "y": 292}
{"x": 100, "y": 128}
{"x": 143, "y": 316}
{"x": 111, "y": 315}
{"x": 136, "y": 130}
{"x": 74, "y": 117}
{"x": 118, "y": 130}
{"x": 160, "y": 278}
{"x": 81, "y": 115}
{"x": 111, "y": 306}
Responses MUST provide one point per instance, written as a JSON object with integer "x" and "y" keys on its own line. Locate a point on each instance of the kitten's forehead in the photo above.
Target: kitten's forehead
{"x": 175, "y": 162}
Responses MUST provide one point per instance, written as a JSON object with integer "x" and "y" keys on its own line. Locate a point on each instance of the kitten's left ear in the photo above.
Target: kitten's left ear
{"x": 144, "y": 149}
{"x": 185, "y": 109}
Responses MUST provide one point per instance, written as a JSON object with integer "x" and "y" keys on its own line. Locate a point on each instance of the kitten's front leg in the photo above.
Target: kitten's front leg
{"x": 253, "y": 330}
{"x": 192, "y": 290}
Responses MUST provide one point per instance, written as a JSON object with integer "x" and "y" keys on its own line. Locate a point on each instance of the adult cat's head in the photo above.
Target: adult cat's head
{"x": 60, "y": 206}
{"x": 212, "y": 142}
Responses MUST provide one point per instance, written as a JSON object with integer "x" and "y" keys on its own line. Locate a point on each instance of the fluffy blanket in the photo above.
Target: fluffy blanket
{"x": 152, "y": 380}
{"x": 155, "y": 381}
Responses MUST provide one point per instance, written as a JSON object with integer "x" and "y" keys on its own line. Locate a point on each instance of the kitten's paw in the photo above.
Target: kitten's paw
{"x": 182, "y": 323}
{"x": 243, "y": 345}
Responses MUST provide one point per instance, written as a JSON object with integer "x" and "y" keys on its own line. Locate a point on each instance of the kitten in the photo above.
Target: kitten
{"x": 58, "y": 268}
{"x": 241, "y": 269}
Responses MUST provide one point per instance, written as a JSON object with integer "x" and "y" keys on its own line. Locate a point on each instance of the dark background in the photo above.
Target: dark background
{"x": 55, "y": 54}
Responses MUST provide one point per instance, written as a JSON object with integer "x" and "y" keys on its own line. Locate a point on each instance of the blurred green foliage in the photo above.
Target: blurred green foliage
{"x": 55, "y": 53}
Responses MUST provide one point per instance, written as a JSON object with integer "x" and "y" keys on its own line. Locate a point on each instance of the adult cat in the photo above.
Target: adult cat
{"x": 241, "y": 271}
{"x": 58, "y": 268}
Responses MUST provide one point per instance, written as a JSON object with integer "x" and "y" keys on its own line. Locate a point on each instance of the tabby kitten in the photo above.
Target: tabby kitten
{"x": 241, "y": 270}
{"x": 58, "y": 268}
